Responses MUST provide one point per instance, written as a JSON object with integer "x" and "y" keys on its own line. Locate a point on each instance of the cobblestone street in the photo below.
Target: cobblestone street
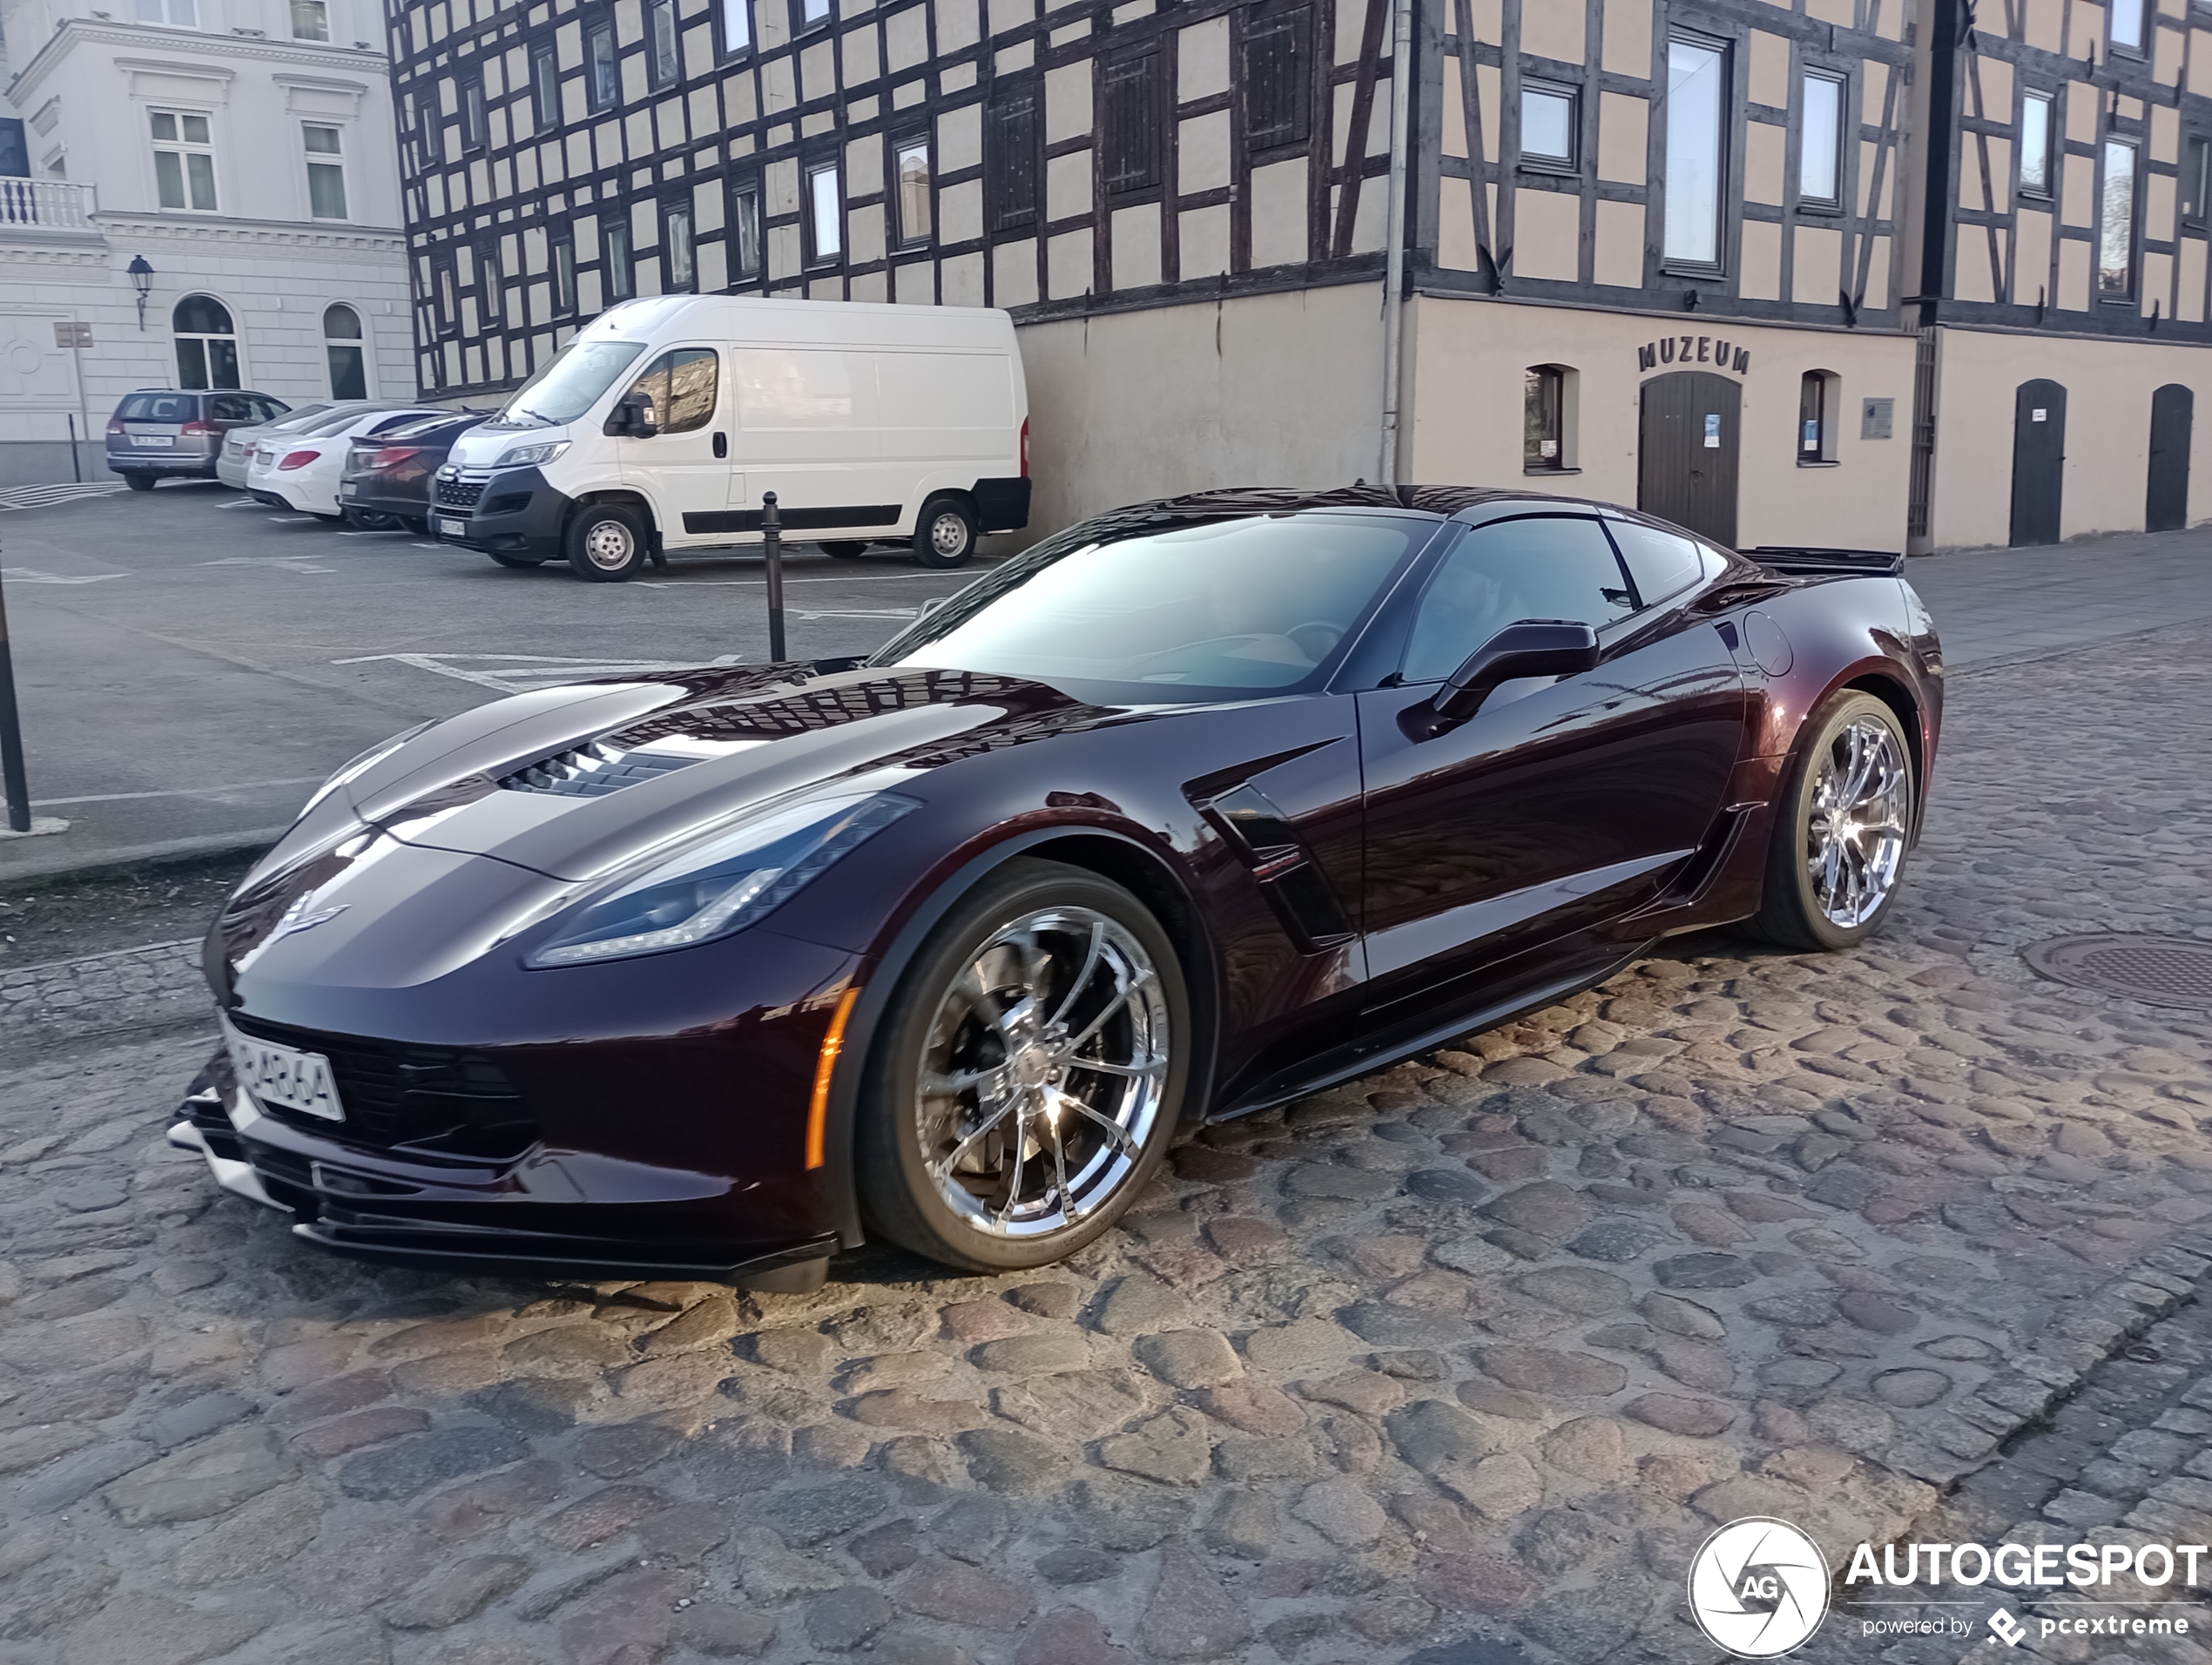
{"x": 1455, "y": 1365}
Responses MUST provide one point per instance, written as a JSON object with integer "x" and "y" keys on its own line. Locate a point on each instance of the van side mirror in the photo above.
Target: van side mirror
{"x": 633, "y": 416}
{"x": 1534, "y": 647}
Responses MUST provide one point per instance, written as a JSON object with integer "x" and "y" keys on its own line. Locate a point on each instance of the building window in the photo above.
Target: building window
{"x": 1129, "y": 92}
{"x": 1548, "y": 126}
{"x": 311, "y": 19}
{"x": 603, "y": 77}
{"x": 448, "y": 295}
{"x": 183, "y": 161}
{"x": 622, "y": 279}
{"x": 664, "y": 55}
{"x": 1696, "y": 161}
{"x": 1820, "y": 145}
{"x": 1277, "y": 79}
{"x": 15, "y": 149}
{"x": 341, "y": 347}
{"x": 2035, "y": 143}
{"x": 545, "y": 86}
{"x": 473, "y": 125}
{"x": 2126, "y": 28}
{"x": 824, "y": 213}
{"x": 1547, "y": 426}
{"x": 2116, "y": 224}
{"x": 812, "y": 14}
{"x": 170, "y": 14}
{"x": 678, "y": 269}
{"x": 563, "y": 272}
{"x": 910, "y": 168}
{"x": 2196, "y": 179}
{"x": 206, "y": 343}
{"x": 491, "y": 291}
{"x": 1010, "y": 161}
{"x": 745, "y": 229}
{"x": 326, "y": 170}
{"x": 1819, "y": 410}
{"x": 736, "y": 25}
{"x": 421, "y": 110}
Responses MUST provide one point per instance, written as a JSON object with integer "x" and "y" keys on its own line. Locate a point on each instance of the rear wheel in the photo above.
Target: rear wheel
{"x": 138, "y": 480}
{"x": 607, "y": 543}
{"x": 1029, "y": 1074}
{"x": 1842, "y": 828}
{"x": 945, "y": 536}
{"x": 371, "y": 520}
{"x": 844, "y": 549}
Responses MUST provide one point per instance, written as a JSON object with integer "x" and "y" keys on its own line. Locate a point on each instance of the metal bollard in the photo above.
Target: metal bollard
{"x": 18, "y": 787}
{"x": 773, "y": 535}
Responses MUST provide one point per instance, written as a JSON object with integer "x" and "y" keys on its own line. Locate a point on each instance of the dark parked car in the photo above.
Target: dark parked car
{"x": 387, "y": 478}
{"x": 157, "y": 431}
{"x": 1192, "y": 809}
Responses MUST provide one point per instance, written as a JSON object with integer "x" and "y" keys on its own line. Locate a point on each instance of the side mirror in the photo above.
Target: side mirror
{"x": 1536, "y": 647}
{"x": 633, "y": 416}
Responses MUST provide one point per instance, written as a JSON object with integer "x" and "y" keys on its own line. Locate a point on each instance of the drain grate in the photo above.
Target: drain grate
{"x": 2157, "y": 970}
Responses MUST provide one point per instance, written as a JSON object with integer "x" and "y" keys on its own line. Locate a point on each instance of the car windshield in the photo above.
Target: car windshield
{"x": 1223, "y": 610}
{"x": 439, "y": 427}
{"x": 291, "y": 421}
{"x": 569, "y": 386}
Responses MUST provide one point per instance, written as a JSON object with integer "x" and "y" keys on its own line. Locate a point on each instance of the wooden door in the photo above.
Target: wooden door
{"x": 1687, "y": 448}
{"x": 2039, "y": 461}
{"x": 2173, "y": 409}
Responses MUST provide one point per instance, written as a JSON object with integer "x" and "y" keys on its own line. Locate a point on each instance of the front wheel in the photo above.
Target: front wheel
{"x": 1842, "y": 828}
{"x": 371, "y": 520}
{"x": 517, "y": 560}
{"x": 607, "y": 543}
{"x": 1029, "y": 1074}
{"x": 844, "y": 549}
{"x": 945, "y": 535}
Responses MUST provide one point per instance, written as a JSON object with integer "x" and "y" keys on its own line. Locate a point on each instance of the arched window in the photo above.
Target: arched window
{"x": 341, "y": 335}
{"x": 1820, "y": 405}
{"x": 1548, "y": 418}
{"x": 206, "y": 343}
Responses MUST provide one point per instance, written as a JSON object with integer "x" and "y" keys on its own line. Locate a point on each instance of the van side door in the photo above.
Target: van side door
{"x": 683, "y": 467}
{"x": 807, "y": 431}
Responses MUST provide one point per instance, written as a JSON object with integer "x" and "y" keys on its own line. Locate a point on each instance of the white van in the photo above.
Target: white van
{"x": 658, "y": 428}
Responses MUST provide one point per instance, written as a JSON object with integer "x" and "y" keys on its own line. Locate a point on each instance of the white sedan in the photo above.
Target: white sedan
{"x": 299, "y": 470}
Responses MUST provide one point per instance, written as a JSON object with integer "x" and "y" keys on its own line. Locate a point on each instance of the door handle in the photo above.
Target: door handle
{"x": 721, "y": 445}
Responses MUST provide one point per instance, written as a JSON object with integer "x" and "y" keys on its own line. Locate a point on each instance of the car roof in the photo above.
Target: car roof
{"x": 1434, "y": 503}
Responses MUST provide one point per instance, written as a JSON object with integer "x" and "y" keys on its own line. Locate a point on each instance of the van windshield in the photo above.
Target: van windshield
{"x": 569, "y": 386}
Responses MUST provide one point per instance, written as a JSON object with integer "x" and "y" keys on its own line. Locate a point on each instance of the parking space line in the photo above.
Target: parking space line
{"x": 181, "y": 792}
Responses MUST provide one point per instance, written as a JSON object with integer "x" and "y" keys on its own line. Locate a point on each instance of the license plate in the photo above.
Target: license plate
{"x": 284, "y": 1076}
{"x": 452, "y": 528}
{"x": 149, "y": 438}
{"x": 347, "y": 491}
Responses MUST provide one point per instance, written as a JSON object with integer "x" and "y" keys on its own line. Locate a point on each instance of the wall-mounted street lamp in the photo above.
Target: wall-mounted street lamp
{"x": 142, "y": 280}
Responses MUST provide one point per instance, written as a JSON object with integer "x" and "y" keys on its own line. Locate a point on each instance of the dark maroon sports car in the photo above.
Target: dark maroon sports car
{"x": 1191, "y": 809}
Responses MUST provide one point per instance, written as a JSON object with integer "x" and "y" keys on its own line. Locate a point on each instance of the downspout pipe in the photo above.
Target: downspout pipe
{"x": 1401, "y": 112}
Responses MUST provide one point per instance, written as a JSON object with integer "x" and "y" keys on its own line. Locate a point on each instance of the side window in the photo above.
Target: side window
{"x": 1662, "y": 564}
{"x": 1547, "y": 567}
{"x": 230, "y": 408}
{"x": 681, "y": 387}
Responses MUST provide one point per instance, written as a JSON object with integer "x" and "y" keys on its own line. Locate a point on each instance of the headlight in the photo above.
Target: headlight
{"x": 524, "y": 457}
{"x": 359, "y": 765}
{"x": 724, "y": 884}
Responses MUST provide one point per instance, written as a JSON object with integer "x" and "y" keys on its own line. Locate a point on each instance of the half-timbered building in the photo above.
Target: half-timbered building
{"x": 1689, "y": 253}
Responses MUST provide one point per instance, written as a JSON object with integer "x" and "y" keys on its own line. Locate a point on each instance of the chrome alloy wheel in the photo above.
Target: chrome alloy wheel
{"x": 607, "y": 545}
{"x": 1042, "y": 1077}
{"x": 1862, "y": 803}
{"x": 947, "y": 534}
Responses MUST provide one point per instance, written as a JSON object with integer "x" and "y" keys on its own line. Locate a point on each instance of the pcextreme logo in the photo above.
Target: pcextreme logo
{"x": 1759, "y": 1587}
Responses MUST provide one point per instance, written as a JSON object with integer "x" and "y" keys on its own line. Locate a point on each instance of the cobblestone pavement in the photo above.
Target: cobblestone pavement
{"x": 1456, "y": 1365}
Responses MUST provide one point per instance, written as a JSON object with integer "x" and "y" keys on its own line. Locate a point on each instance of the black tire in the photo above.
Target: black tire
{"x": 896, "y": 1126}
{"x": 607, "y": 542}
{"x": 416, "y": 524}
{"x": 518, "y": 560}
{"x": 1794, "y": 914}
{"x": 944, "y": 533}
{"x": 138, "y": 480}
{"x": 371, "y": 520}
{"x": 844, "y": 549}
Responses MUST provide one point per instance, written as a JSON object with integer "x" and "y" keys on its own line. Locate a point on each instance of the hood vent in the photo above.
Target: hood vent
{"x": 596, "y": 768}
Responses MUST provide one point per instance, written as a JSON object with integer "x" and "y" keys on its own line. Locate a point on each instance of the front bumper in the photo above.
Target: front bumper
{"x": 514, "y": 512}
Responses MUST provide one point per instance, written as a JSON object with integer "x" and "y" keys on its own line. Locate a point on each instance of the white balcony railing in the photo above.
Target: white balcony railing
{"x": 49, "y": 204}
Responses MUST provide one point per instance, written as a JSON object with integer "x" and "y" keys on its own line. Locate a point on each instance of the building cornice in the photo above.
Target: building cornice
{"x": 259, "y": 233}
{"x": 188, "y": 44}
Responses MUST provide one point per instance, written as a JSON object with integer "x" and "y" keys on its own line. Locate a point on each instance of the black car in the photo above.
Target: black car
{"x": 386, "y": 479}
{"x": 159, "y": 431}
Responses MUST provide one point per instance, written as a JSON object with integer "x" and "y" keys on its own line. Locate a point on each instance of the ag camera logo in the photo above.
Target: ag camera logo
{"x": 1759, "y": 1587}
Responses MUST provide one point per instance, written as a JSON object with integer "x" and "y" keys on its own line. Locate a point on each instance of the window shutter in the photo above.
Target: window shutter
{"x": 1129, "y": 92}
{"x": 1011, "y": 160}
{"x": 1278, "y": 97}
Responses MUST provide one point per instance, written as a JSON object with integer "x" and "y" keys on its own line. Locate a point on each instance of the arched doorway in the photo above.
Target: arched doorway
{"x": 2172, "y": 414}
{"x": 1687, "y": 442}
{"x": 206, "y": 343}
{"x": 2039, "y": 461}
{"x": 342, "y": 337}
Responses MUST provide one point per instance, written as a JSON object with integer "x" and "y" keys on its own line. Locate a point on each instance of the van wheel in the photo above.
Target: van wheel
{"x": 517, "y": 560}
{"x": 843, "y": 548}
{"x": 945, "y": 535}
{"x": 607, "y": 543}
{"x": 138, "y": 480}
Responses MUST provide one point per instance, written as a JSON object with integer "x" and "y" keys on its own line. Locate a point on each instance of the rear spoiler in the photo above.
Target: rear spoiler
{"x": 1799, "y": 562}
